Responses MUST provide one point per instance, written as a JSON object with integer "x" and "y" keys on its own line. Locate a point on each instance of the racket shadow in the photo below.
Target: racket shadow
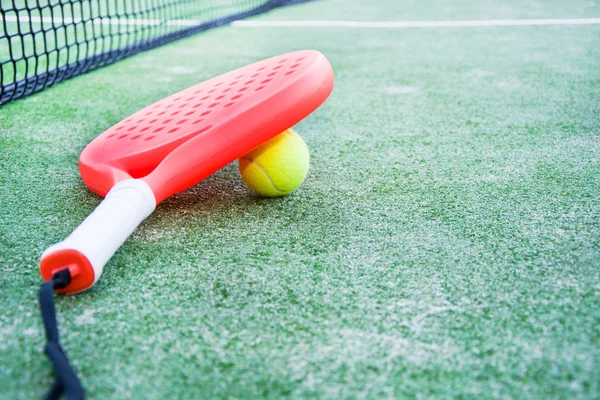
{"x": 222, "y": 193}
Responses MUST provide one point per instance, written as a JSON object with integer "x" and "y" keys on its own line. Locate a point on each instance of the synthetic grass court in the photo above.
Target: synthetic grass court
{"x": 446, "y": 242}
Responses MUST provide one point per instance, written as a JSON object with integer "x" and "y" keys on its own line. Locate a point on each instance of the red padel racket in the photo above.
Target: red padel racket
{"x": 175, "y": 143}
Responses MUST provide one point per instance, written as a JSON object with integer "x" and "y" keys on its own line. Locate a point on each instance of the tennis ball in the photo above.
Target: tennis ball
{"x": 277, "y": 167}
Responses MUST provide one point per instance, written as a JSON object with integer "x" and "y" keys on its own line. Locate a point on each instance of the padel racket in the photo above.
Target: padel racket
{"x": 175, "y": 143}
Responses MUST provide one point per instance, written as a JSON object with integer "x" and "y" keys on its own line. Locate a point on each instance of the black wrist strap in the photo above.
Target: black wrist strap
{"x": 67, "y": 381}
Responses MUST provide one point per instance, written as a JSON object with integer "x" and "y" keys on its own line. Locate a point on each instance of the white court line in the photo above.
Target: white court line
{"x": 415, "y": 24}
{"x": 308, "y": 24}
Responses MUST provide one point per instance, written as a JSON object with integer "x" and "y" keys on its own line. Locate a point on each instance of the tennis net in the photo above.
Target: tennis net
{"x": 43, "y": 42}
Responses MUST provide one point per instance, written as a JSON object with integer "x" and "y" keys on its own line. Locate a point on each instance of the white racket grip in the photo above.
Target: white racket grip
{"x": 99, "y": 236}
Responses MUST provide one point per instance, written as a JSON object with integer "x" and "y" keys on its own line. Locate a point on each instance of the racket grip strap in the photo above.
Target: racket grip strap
{"x": 93, "y": 243}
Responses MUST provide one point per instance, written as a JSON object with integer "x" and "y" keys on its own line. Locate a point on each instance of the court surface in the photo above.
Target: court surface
{"x": 446, "y": 242}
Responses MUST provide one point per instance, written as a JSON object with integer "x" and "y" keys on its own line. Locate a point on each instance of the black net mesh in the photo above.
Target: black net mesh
{"x": 43, "y": 42}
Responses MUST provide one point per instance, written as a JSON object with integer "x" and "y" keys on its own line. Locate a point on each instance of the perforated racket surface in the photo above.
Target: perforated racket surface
{"x": 178, "y": 141}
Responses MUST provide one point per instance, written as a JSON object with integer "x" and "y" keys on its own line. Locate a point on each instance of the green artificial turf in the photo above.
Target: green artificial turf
{"x": 446, "y": 242}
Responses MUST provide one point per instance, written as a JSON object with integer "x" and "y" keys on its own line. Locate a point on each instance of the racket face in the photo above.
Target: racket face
{"x": 174, "y": 143}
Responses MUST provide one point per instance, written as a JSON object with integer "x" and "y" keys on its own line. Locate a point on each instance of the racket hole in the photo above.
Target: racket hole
{"x": 198, "y": 91}
{"x": 139, "y": 121}
{"x": 131, "y": 128}
{"x": 233, "y": 83}
{"x": 272, "y": 74}
{"x": 204, "y": 129}
{"x": 243, "y": 89}
{"x": 197, "y": 121}
{"x": 153, "y": 121}
{"x": 150, "y": 138}
{"x": 205, "y": 113}
{"x": 213, "y": 105}
{"x": 176, "y": 99}
{"x": 144, "y": 129}
{"x": 183, "y": 121}
{"x": 290, "y": 72}
{"x": 204, "y": 98}
{"x": 190, "y": 98}
{"x": 187, "y": 114}
{"x": 240, "y": 76}
{"x": 135, "y": 137}
{"x": 160, "y": 128}
{"x": 198, "y": 105}
{"x": 123, "y": 136}
{"x": 261, "y": 68}
{"x": 111, "y": 135}
{"x": 166, "y": 121}
{"x": 282, "y": 61}
{"x": 220, "y": 97}
{"x": 237, "y": 96}
{"x": 300, "y": 59}
{"x": 249, "y": 82}
{"x": 173, "y": 130}
{"x": 218, "y": 84}
{"x": 229, "y": 104}
{"x": 277, "y": 67}
{"x": 184, "y": 105}
{"x": 174, "y": 113}
{"x": 255, "y": 75}
{"x": 227, "y": 90}
{"x": 266, "y": 81}
{"x": 259, "y": 88}
{"x": 161, "y": 113}
{"x": 295, "y": 66}
{"x": 169, "y": 106}
{"x": 212, "y": 90}
{"x": 119, "y": 128}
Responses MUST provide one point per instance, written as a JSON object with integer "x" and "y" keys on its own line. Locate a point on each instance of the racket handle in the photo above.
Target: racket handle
{"x": 93, "y": 243}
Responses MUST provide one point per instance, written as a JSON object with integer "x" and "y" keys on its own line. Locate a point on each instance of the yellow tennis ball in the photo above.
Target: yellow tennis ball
{"x": 277, "y": 167}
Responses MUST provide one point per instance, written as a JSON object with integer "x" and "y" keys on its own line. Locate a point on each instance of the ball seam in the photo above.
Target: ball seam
{"x": 264, "y": 172}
